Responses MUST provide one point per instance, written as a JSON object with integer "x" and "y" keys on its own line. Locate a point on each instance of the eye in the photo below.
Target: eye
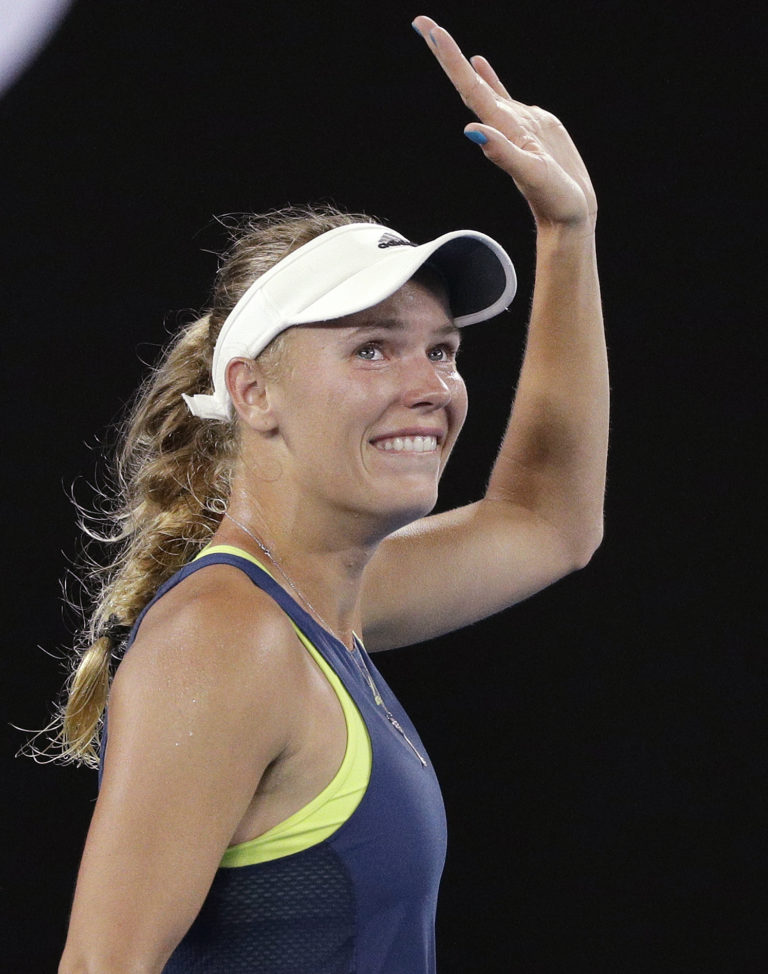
{"x": 370, "y": 352}
{"x": 442, "y": 353}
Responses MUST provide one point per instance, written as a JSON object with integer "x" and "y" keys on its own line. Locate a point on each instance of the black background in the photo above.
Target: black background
{"x": 600, "y": 746}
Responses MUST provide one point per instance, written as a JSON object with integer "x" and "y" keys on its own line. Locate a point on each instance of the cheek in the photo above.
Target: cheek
{"x": 329, "y": 417}
{"x": 457, "y": 413}
{"x": 459, "y": 402}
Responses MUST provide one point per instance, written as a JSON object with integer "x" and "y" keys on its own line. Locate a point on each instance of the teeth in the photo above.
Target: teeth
{"x": 408, "y": 444}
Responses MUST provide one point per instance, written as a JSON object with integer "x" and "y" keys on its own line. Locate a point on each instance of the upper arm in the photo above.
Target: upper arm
{"x": 196, "y": 714}
{"x": 452, "y": 569}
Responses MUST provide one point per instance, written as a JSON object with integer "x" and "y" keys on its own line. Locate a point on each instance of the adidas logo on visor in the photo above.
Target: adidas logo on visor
{"x": 390, "y": 240}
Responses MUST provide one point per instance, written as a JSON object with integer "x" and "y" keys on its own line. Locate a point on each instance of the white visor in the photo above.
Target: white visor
{"x": 346, "y": 270}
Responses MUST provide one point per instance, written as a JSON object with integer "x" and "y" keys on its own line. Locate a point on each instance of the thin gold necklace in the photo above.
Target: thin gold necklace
{"x": 293, "y": 586}
{"x": 356, "y": 649}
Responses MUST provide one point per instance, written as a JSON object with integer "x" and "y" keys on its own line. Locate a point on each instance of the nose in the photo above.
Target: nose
{"x": 423, "y": 385}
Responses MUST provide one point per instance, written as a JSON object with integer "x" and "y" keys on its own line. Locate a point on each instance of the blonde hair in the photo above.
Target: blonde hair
{"x": 170, "y": 478}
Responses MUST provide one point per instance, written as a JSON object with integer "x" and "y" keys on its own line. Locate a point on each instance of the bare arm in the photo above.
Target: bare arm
{"x": 197, "y": 712}
{"x": 541, "y": 516}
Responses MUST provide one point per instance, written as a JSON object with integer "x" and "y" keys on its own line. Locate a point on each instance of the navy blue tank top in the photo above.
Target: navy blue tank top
{"x": 362, "y": 901}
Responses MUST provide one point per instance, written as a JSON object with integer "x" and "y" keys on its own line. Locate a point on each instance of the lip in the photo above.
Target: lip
{"x": 410, "y": 431}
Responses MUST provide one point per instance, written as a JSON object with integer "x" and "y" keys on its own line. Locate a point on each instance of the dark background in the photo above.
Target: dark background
{"x": 600, "y": 746}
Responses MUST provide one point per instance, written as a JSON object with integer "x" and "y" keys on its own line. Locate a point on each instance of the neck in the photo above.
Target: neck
{"x": 305, "y": 556}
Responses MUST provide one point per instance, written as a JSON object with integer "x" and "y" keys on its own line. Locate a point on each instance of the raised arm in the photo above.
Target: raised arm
{"x": 542, "y": 513}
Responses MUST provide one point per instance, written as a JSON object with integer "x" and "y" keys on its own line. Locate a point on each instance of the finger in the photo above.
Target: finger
{"x": 483, "y": 67}
{"x": 423, "y": 25}
{"x": 522, "y": 158}
{"x": 476, "y": 94}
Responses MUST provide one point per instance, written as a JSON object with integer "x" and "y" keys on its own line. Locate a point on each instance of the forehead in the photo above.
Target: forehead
{"x": 418, "y": 306}
{"x": 419, "y": 302}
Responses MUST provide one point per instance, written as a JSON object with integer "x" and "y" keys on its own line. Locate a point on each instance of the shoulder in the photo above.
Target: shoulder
{"x": 216, "y": 612}
{"x": 217, "y": 646}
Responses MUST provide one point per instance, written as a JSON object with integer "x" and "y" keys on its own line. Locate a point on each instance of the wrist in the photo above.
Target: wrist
{"x": 565, "y": 237}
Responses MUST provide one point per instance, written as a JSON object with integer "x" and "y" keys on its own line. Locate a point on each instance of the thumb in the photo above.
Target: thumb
{"x": 522, "y": 162}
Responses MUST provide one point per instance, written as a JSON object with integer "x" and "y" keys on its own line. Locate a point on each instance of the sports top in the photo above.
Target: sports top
{"x": 347, "y": 885}
{"x": 320, "y": 817}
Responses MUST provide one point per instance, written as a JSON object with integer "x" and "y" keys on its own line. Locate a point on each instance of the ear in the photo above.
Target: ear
{"x": 248, "y": 388}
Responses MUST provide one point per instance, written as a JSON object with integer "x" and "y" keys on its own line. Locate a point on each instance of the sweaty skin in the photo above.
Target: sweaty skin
{"x": 207, "y": 744}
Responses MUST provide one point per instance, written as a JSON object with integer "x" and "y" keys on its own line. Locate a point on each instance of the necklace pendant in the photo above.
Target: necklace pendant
{"x": 398, "y": 727}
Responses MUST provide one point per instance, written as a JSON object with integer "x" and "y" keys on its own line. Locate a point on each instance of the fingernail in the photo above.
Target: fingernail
{"x": 417, "y": 30}
{"x": 432, "y": 37}
{"x": 479, "y": 138}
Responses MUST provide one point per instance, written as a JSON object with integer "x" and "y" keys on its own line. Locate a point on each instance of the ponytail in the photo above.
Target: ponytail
{"x": 170, "y": 475}
{"x": 171, "y": 478}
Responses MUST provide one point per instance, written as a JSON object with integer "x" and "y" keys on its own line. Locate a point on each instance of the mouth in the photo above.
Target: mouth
{"x": 407, "y": 443}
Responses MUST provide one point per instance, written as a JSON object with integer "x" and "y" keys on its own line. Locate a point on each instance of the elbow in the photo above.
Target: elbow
{"x": 584, "y": 547}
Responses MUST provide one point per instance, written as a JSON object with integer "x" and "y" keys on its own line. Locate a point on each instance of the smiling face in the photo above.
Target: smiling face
{"x": 367, "y": 408}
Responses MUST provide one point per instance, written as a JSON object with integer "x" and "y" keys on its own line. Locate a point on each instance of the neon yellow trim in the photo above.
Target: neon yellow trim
{"x": 329, "y": 810}
{"x": 228, "y": 549}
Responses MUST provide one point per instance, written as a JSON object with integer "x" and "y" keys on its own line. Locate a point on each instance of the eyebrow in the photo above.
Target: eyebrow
{"x": 400, "y": 324}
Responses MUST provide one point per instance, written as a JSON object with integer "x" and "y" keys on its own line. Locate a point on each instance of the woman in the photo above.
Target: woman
{"x": 265, "y": 803}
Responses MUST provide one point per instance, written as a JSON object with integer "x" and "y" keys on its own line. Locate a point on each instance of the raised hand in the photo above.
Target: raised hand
{"x": 527, "y": 142}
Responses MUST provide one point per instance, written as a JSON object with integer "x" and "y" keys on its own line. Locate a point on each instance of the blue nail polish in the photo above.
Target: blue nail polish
{"x": 432, "y": 38}
{"x": 417, "y": 30}
{"x": 477, "y": 137}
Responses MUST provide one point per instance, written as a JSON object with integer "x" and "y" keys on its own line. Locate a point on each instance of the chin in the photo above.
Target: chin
{"x": 397, "y": 516}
